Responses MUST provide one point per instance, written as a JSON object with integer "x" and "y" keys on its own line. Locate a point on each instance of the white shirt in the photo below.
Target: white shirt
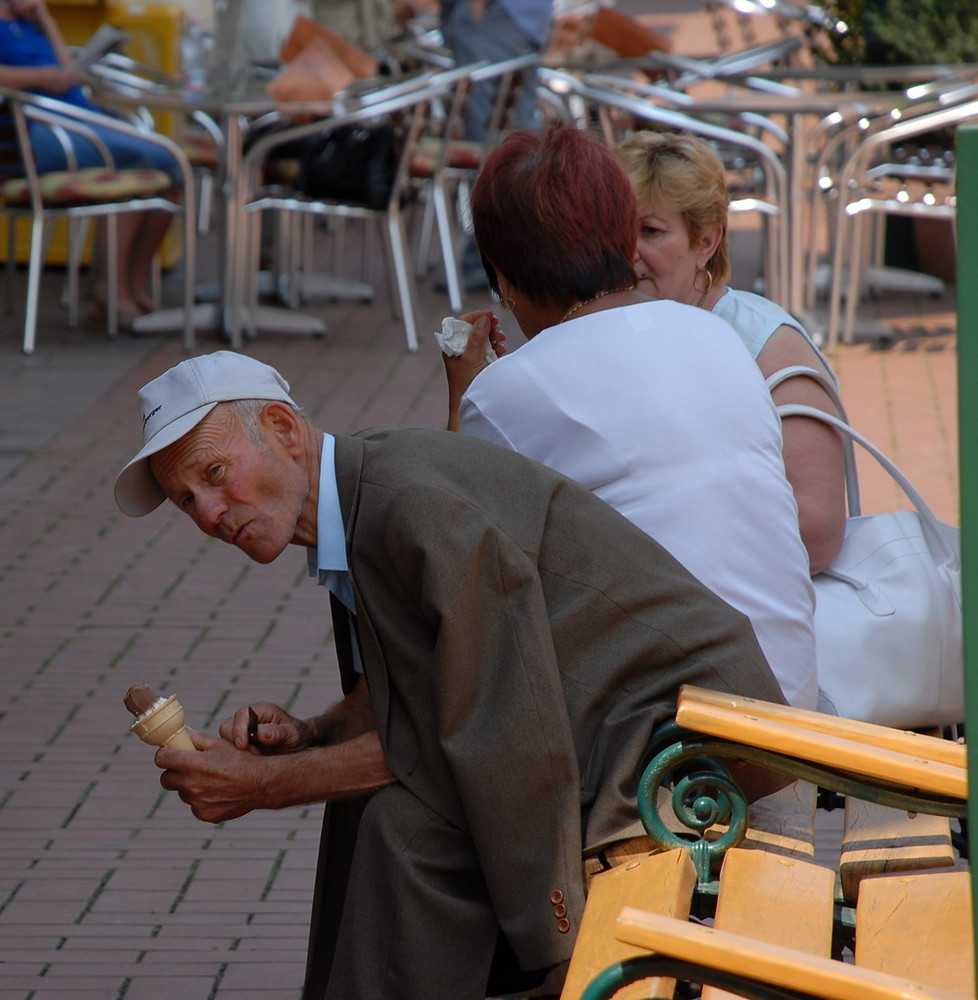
{"x": 659, "y": 410}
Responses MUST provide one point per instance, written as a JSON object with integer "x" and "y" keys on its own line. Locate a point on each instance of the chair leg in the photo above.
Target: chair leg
{"x": 252, "y": 272}
{"x": 112, "y": 274}
{"x": 33, "y": 284}
{"x": 839, "y": 248}
{"x": 402, "y": 270}
{"x": 77, "y": 234}
{"x": 424, "y": 237}
{"x": 205, "y": 202}
{"x": 447, "y": 240}
{"x": 855, "y": 277}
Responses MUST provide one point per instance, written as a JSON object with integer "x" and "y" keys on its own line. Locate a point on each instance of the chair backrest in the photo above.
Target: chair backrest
{"x": 406, "y": 100}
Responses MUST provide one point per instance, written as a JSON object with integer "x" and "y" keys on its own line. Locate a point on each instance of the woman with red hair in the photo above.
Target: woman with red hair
{"x": 654, "y": 405}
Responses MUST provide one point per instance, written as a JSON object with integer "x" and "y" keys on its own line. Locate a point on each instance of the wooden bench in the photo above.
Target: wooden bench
{"x": 895, "y": 907}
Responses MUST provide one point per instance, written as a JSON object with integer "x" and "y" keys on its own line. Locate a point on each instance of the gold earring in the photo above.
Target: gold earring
{"x": 709, "y": 284}
{"x": 507, "y": 304}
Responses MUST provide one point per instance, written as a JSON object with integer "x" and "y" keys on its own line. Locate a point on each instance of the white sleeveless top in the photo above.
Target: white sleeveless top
{"x": 755, "y": 319}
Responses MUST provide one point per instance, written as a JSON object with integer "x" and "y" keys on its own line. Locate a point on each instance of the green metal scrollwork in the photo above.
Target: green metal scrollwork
{"x": 704, "y": 793}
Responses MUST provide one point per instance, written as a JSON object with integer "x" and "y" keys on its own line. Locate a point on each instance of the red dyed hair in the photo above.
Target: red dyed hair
{"x": 553, "y": 210}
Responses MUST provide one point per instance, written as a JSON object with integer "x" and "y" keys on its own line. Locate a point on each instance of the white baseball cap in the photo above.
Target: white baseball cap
{"x": 173, "y": 405}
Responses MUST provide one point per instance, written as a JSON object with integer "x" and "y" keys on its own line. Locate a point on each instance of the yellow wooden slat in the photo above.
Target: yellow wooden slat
{"x": 904, "y": 741}
{"x": 878, "y": 840}
{"x": 769, "y": 963}
{"x": 660, "y": 882}
{"x": 918, "y": 926}
{"x": 776, "y": 899}
{"x": 821, "y": 748}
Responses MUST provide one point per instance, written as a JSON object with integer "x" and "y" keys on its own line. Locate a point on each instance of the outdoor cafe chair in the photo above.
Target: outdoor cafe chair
{"x": 102, "y": 193}
{"x": 445, "y": 163}
{"x": 872, "y": 182}
{"x": 404, "y": 104}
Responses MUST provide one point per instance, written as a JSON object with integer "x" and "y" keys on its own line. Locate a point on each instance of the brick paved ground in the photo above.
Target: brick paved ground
{"x": 109, "y": 889}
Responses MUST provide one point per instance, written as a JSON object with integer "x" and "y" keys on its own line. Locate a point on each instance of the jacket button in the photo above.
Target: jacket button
{"x": 560, "y": 910}
{"x": 563, "y": 925}
{"x": 556, "y": 896}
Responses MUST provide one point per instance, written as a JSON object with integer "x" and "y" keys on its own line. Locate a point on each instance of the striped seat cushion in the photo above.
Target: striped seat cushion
{"x": 462, "y": 153}
{"x": 90, "y": 186}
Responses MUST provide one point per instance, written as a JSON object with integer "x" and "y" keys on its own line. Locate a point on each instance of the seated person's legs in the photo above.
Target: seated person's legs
{"x": 417, "y": 922}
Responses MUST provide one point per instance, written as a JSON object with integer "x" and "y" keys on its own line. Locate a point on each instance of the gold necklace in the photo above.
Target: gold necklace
{"x": 580, "y": 305}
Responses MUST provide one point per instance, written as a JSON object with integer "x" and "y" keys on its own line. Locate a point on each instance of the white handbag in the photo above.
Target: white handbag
{"x": 888, "y": 610}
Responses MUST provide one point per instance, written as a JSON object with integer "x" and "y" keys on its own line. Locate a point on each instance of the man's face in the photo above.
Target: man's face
{"x": 245, "y": 493}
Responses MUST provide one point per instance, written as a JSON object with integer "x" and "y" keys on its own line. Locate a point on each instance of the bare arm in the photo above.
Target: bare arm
{"x": 219, "y": 781}
{"x": 814, "y": 458}
{"x": 37, "y": 11}
{"x": 54, "y": 80}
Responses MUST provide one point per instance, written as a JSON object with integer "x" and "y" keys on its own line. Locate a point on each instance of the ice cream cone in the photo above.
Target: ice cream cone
{"x": 163, "y": 727}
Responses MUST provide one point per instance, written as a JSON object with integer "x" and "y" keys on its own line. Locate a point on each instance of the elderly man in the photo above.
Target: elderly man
{"x": 507, "y": 643}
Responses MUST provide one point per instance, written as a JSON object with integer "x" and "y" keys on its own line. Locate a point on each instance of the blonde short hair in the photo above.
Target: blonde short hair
{"x": 682, "y": 172}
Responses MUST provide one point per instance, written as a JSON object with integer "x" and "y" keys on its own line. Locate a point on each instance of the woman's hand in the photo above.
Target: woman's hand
{"x": 463, "y": 368}
{"x": 29, "y": 10}
{"x": 264, "y": 728}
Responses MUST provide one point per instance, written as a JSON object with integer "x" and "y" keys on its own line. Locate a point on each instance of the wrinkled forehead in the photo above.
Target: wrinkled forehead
{"x": 209, "y": 440}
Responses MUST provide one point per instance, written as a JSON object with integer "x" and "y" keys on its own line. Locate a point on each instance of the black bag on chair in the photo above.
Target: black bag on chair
{"x": 351, "y": 163}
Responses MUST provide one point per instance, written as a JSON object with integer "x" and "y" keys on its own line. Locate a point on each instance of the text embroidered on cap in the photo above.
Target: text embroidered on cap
{"x": 152, "y": 413}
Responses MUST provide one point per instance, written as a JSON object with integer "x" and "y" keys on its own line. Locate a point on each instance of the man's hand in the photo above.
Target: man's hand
{"x": 266, "y": 728}
{"x": 217, "y": 782}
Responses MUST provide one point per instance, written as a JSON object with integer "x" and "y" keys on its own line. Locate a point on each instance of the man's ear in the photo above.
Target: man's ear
{"x": 282, "y": 424}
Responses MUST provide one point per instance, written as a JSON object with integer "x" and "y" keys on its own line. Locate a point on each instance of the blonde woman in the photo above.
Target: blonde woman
{"x": 683, "y": 254}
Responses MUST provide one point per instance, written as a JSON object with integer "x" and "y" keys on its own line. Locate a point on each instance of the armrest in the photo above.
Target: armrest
{"x": 745, "y": 959}
{"x": 875, "y": 752}
{"x": 58, "y": 114}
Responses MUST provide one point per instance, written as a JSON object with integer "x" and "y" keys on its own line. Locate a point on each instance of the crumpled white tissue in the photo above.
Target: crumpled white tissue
{"x": 453, "y": 336}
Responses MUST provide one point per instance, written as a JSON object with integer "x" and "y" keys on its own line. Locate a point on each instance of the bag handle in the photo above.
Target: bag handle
{"x": 793, "y": 371}
{"x": 937, "y": 541}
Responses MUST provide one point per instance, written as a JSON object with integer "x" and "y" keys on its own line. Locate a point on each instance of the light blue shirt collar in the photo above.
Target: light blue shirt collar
{"x": 327, "y": 562}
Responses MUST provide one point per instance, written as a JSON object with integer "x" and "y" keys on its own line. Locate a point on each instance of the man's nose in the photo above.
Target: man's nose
{"x": 209, "y": 509}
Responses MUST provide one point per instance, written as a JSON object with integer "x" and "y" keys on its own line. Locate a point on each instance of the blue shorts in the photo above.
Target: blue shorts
{"x": 127, "y": 151}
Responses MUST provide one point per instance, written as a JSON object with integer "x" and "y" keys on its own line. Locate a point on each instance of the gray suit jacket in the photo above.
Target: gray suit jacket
{"x": 520, "y": 640}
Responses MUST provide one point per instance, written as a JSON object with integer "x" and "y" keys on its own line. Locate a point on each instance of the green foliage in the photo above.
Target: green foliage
{"x": 903, "y": 32}
{"x": 847, "y": 48}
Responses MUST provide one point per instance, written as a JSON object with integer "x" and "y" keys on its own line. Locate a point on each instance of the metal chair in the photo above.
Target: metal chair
{"x": 832, "y": 141}
{"x": 446, "y": 163}
{"x": 862, "y": 193}
{"x": 101, "y": 193}
{"x": 405, "y": 103}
